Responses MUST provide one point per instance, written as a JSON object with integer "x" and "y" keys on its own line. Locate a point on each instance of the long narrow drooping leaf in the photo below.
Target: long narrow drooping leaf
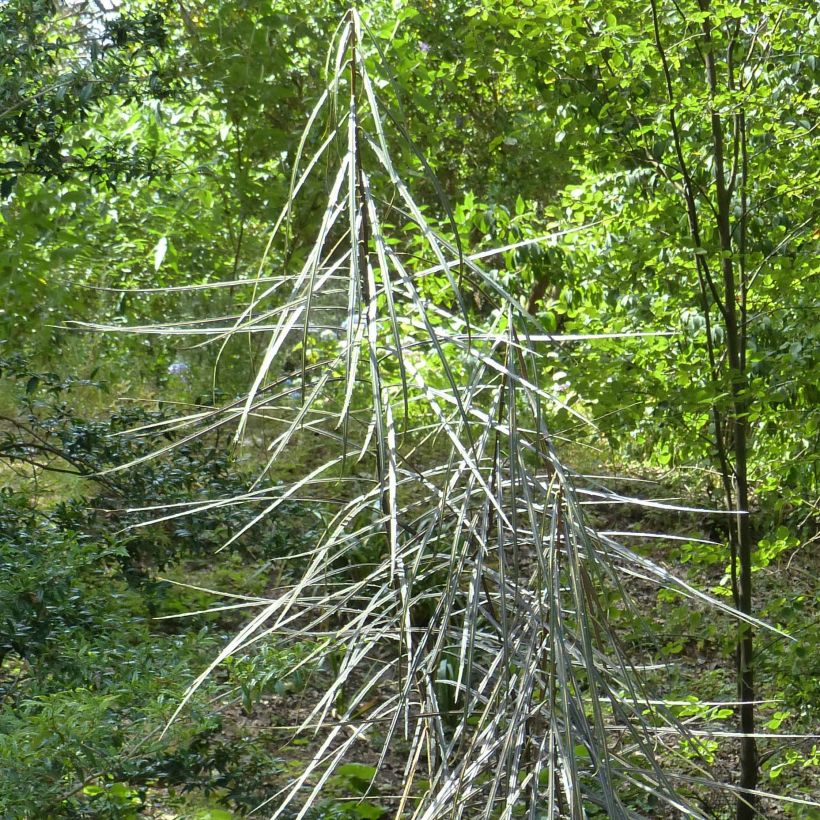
{"x": 477, "y": 626}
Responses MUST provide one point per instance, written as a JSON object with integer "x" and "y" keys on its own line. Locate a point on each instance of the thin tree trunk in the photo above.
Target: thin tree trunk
{"x": 735, "y": 341}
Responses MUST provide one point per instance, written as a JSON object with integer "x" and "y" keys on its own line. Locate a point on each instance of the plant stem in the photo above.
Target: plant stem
{"x": 735, "y": 341}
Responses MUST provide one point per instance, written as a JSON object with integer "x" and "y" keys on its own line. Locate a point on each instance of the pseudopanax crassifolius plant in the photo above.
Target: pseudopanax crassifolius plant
{"x": 457, "y": 590}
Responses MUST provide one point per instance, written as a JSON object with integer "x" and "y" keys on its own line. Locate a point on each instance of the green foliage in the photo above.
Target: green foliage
{"x": 49, "y": 433}
{"x": 153, "y": 147}
{"x": 58, "y": 67}
{"x": 50, "y": 571}
{"x": 88, "y": 683}
{"x": 88, "y": 679}
{"x": 268, "y": 671}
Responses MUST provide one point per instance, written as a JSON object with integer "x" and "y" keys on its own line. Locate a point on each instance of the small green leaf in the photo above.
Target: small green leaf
{"x": 357, "y": 771}
{"x": 370, "y": 811}
{"x": 92, "y": 791}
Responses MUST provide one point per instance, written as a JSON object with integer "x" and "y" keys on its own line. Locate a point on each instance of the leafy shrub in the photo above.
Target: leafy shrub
{"x": 87, "y": 678}
{"x": 50, "y": 576}
{"x": 50, "y": 433}
{"x": 88, "y": 685}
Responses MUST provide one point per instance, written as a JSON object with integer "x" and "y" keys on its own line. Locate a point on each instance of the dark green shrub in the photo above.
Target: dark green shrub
{"x": 49, "y": 432}
{"x": 51, "y": 579}
{"x": 87, "y": 683}
{"x": 87, "y": 679}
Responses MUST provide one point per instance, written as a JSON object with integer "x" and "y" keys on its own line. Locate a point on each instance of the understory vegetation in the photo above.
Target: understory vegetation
{"x": 409, "y": 410}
